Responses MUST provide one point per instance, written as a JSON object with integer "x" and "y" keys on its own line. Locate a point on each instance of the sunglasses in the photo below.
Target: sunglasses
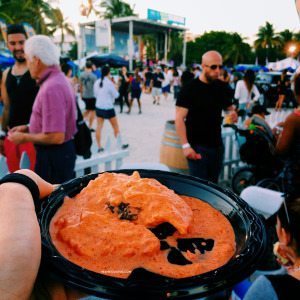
{"x": 214, "y": 67}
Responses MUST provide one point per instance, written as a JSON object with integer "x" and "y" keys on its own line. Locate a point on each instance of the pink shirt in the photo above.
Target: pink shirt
{"x": 54, "y": 108}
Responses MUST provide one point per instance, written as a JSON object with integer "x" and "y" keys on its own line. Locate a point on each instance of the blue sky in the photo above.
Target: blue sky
{"x": 242, "y": 16}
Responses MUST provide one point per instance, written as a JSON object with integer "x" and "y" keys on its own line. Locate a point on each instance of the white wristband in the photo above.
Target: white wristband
{"x": 186, "y": 145}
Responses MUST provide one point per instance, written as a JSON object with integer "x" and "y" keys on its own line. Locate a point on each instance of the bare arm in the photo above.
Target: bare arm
{"x": 20, "y": 241}
{"x": 181, "y": 114}
{"x": 53, "y": 138}
{"x": 5, "y": 101}
{"x": 286, "y": 137}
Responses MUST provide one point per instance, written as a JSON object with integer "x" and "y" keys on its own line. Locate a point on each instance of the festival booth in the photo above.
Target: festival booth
{"x": 112, "y": 60}
{"x": 289, "y": 63}
{"x": 255, "y": 68}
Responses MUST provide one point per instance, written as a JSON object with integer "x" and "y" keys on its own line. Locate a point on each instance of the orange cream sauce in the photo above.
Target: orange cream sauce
{"x": 88, "y": 229}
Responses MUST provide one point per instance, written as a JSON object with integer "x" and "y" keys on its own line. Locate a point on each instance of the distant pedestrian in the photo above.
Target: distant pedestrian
{"x": 136, "y": 90}
{"x": 106, "y": 93}
{"x": 285, "y": 94}
{"x": 156, "y": 83}
{"x": 87, "y": 80}
{"x": 123, "y": 88}
{"x": 147, "y": 80}
{"x": 96, "y": 71}
{"x": 246, "y": 93}
{"x": 167, "y": 82}
{"x": 176, "y": 83}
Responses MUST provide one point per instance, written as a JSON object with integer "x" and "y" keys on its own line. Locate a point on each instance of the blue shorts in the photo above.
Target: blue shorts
{"x": 166, "y": 89}
{"x": 105, "y": 113}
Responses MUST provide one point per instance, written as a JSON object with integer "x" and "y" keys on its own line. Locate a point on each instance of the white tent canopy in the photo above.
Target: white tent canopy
{"x": 284, "y": 64}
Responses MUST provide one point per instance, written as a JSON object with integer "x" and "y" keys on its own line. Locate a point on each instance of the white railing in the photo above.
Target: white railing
{"x": 231, "y": 156}
{"x": 101, "y": 162}
{"x": 108, "y": 160}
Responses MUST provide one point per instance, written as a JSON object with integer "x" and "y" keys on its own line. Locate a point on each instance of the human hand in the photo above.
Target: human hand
{"x": 16, "y": 137}
{"x": 45, "y": 188}
{"x": 190, "y": 153}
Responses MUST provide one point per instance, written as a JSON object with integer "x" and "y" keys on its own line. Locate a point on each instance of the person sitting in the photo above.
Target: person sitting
{"x": 258, "y": 118}
{"x": 285, "y": 286}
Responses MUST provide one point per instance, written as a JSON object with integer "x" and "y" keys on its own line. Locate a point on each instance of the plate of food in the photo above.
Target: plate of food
{"x": 148, "y": 233}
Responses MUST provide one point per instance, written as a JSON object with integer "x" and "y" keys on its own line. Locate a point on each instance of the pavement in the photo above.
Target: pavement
{"x": 143, "y": 132}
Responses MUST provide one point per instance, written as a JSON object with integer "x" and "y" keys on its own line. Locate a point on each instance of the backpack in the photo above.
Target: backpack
{"x": 83, "y": 137}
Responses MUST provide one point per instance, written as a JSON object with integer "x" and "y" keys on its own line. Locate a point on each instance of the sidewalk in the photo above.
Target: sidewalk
{"x": 143, "y": 132}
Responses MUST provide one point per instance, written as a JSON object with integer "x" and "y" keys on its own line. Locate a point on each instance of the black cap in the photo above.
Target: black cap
{"x": 259, "y": 109}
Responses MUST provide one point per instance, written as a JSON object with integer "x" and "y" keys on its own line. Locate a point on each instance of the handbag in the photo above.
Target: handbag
{"x": 83, "y": 137}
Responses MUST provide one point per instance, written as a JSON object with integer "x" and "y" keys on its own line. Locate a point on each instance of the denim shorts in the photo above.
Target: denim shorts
{"x": 105, "y": 113}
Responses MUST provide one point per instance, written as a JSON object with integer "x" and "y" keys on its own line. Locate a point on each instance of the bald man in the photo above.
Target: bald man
{"x": 199, "y": 118}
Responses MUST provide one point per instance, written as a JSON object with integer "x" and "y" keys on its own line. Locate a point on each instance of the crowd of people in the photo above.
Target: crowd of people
{"x": 39, "y": 117}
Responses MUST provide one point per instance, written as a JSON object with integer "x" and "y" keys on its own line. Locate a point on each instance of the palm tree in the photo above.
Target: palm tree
{"x": 267, "y": 39}
{"x": 116, "y": 8}
{"x": 37, "y": 13}
{"x": 86, "y": 9}
{"x": 62, "y": 25}
{"x": 286, "y": 36}
{"x": 237, "y": 50}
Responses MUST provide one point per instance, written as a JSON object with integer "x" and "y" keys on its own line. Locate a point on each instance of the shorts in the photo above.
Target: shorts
{"x": 136, "y": 94}
{"x": 166, "y": 89}
{"x": 89, "y": 103}
{"x": 156, "y": 91}
{"x": 105, "y": 113}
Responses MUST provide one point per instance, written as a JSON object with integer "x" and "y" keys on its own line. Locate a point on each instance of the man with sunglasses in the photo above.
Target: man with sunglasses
{"x": 199, "y": 118}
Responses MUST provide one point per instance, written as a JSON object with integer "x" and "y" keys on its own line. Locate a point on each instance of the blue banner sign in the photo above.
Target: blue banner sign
{"x": 155, "y": 15}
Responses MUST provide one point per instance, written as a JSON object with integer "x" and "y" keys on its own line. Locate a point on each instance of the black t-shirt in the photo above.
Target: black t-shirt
{"x": 286, "y": 286}
{"x": 205, "y": 103}
{"x": 124, "y": 85}
{"x": 156, "y": 81}
{"x": 284, "y": 86}
{"x": 148, "y": 76}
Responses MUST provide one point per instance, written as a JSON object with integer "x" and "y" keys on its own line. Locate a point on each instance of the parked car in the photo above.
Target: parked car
{"x": 267, "y": 83}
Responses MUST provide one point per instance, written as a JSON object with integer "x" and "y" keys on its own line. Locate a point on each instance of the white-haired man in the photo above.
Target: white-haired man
{"x": 53, "y": 120}
{"x": 198, "y": 118}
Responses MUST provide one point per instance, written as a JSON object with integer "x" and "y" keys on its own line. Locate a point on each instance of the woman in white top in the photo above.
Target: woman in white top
{"x": 105, "y": 93}
{"x": 246, "y": 91}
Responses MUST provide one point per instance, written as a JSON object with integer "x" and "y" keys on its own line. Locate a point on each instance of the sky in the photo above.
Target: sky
{"x": 242, "y": 16}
